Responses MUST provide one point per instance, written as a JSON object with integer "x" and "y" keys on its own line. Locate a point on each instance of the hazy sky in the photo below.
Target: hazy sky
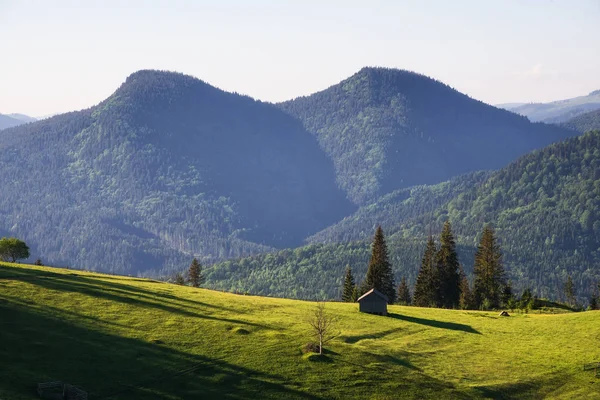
{"x": 59, "y": 56}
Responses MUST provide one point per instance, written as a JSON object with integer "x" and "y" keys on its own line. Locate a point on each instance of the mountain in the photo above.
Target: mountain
{"x": 22, "y": 117}
{"x": 387, "y": 129}
{"x": 165, "y": 168}
{"x": 585, "y": 122}
{"x": 545, "y": 208}
{"x": 7, "y": 121}
{"x": 557, "y": 111}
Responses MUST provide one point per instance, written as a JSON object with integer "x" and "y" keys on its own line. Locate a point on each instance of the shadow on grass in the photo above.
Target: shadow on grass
{"x": 378, "y": 335}
{"x": 38, "y": 347}
{"x": 435, "y": 324}
{"x": 115, "y": 292}
{"x": 536, "y": 388}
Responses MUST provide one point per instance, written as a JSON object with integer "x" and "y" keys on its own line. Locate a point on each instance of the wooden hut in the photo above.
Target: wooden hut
{"x": 373, "y": 302}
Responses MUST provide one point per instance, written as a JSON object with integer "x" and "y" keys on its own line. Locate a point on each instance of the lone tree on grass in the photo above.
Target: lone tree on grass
{"x": 195, "y": 276}
{"x": 322, "y": 324}
{"x": 13, "y": 249}
{"x": 349, "y": 289}
{"x": 448, "y": 269}
{"x": 427, "y": 283}
{"x": 379, "y": 274}
{"x": 404, "y": 297}
{"x": 489, "y": 272}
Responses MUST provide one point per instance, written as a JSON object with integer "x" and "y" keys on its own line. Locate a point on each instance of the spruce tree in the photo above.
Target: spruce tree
{"x": 465, "y": 302}
{"x": 426, "y": 286}
{"x": 404, "y": 297}
{"x": 488, "y": 271}
{"x": 507, "y": 294}
{"x": 349, "y": 288}
{"x": 570, "y": 291}
{"x": 195, "y": 277}
{"x": 448, "y": 269}
{"x": 379, "y": 274}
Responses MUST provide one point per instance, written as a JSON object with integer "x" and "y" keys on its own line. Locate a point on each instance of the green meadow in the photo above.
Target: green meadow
{"x": 129, "y": 338}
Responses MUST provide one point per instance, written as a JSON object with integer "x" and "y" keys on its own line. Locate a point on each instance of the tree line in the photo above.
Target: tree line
{"x": 442, "y": 282}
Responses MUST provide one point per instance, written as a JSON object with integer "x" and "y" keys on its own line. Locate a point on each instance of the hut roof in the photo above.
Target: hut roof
{"x": 374, "y": 291}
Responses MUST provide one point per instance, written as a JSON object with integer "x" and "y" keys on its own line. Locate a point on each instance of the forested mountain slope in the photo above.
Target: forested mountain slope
{"x": 585, "y": 122}
{"x": 558, "y": 111}
{"x": 545, "y": 208}
{"x": 387, "y": 129}
{"x": 168, "y": 166}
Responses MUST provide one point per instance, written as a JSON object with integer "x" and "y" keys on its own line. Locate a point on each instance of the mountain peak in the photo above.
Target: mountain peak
{"x": 595, "y": 93}
{"x": 158, "y": 79}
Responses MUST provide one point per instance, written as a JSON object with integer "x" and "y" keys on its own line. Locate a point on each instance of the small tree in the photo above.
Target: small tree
{"x": 195, "y": 276}
{"x": 349, "y": 288}
{"x": 322, "y": 324}
{"x": 507, "y": 294}
{"x": 594, "y": 302}
{"x": 404, "y": 297}
{"x": 13, "y": 249}
{"x": 178, "y": 279}
{"x": 465, "y": 301}
{"x": 527, "y": 301}
{"x": 570, "y": 291}
{"x": 39, "y": 262}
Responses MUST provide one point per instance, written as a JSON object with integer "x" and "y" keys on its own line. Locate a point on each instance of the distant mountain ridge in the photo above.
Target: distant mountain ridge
{"x": 8, "y": 122}
{"x": 386, "y": 129}
{"x": 585, "y": 122}
{"x": 170, "y": 167}
{"x": 22, "y": 117}
{"x": 558, "y": 111}
{"x": 165, "y": 168}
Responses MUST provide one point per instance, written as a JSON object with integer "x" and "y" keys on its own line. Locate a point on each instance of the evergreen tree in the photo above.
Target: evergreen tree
{"x": 178, "y": 279}
{"x": 488, "y": 271}
{"x": 594, "y": 302}
{"x": 195, "y": 276}
{"x": 379, "y": 273}
{"x": 426, "y": 285}
{"x": 507, "y": 294}
{"x": 349, "y": 288}
{"x": 448, "y": 269}
{"x": 355, "y": 295}
{"x": 465, "y": 302}
{"x": 527, "y": 301}
{"x": 404, "y": 297}
{"x": 570, "y": 291}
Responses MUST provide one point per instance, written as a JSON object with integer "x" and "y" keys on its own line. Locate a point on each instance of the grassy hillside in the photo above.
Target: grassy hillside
{"x": 128, "y": 338}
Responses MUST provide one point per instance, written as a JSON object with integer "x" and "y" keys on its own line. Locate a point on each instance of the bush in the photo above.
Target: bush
{"x": 310, "y": 348}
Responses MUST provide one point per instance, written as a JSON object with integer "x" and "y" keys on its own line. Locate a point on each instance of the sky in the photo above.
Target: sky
{"x": 58, "y": 56}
